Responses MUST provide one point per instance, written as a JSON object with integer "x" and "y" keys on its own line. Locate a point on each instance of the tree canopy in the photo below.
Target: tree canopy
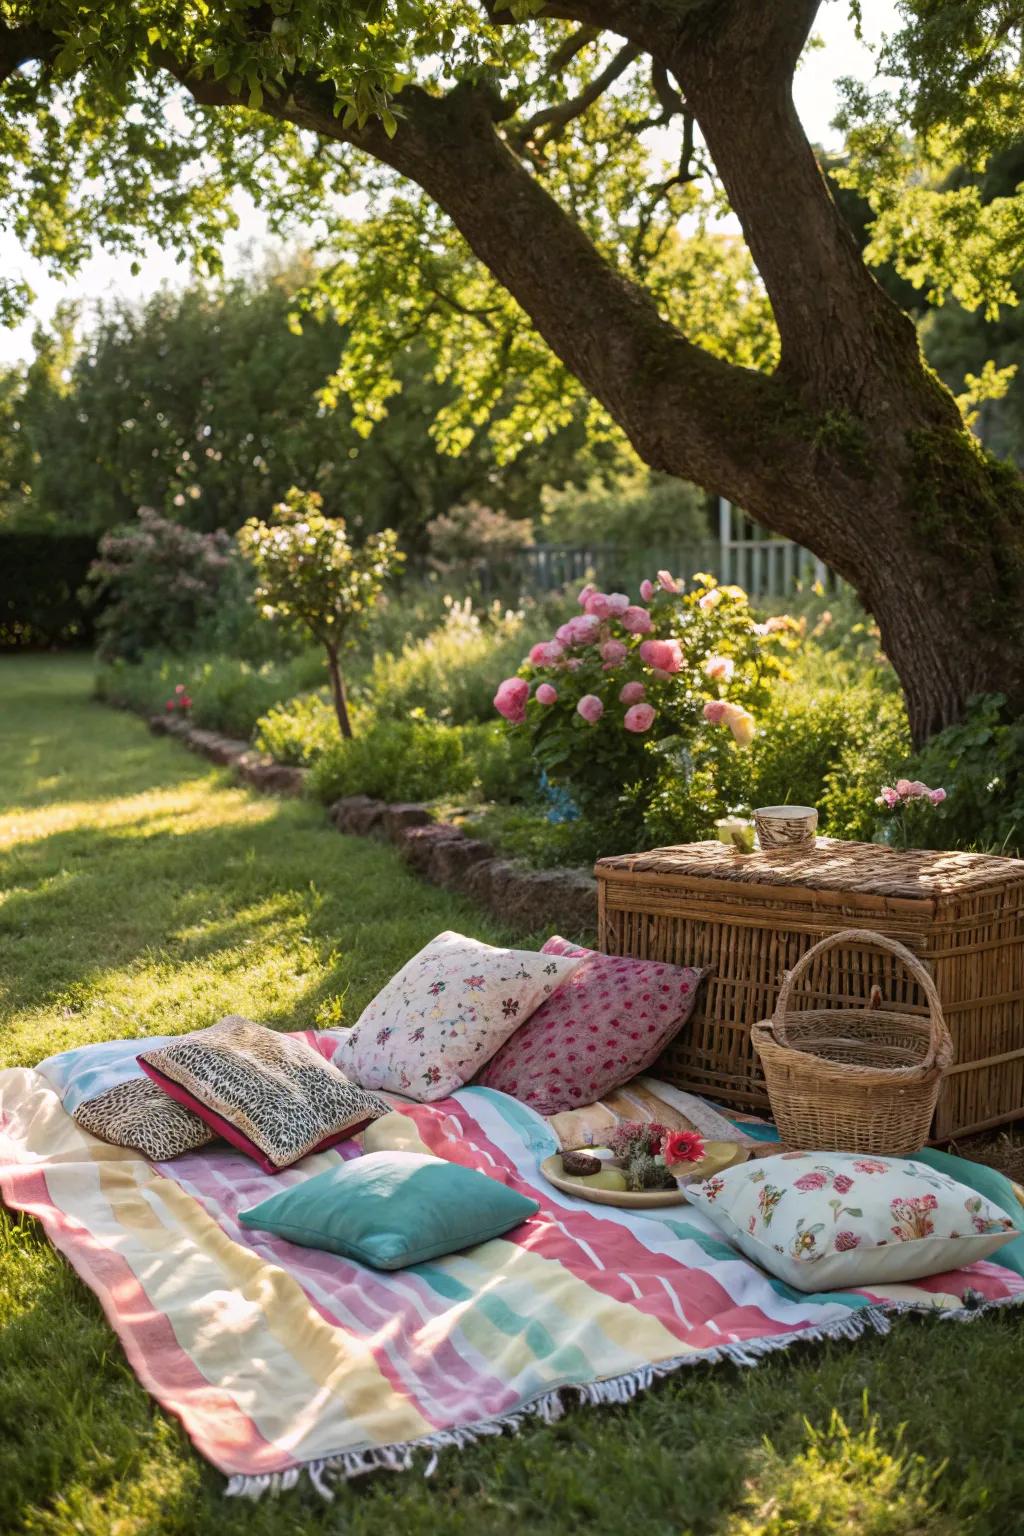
{"x": 514, "y": 209}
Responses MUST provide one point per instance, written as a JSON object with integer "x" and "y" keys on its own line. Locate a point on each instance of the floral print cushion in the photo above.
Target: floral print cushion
{"x": 444, "y": 1015}
{"x": 824, "y": 1221}
{"x": 606, "y": 1025}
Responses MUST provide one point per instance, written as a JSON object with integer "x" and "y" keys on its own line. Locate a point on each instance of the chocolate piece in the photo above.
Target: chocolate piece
{"x": 580, "y": 1162}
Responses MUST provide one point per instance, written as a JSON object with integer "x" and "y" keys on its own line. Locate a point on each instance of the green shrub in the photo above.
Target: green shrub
{"x": 299, "y": 729}
{"x": 227, "y": 695}
{"x": 422, "y": 759}
{"x": 451, "y": 673}
{"x": 980, "y": 765}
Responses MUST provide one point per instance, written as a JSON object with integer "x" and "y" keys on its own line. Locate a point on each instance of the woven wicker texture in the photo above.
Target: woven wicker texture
{"x": 750, "y": 918}
{"x": 854, "y": 1079}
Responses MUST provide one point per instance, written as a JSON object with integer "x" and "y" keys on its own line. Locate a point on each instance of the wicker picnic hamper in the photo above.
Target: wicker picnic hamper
{"x": 844, "y": 1079}
{"x": 748, "y": 918}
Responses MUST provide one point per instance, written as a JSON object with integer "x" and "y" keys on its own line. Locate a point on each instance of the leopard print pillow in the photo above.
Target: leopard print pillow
{"x": 270, "y": 1095}
{"x": 139, "y": 1115}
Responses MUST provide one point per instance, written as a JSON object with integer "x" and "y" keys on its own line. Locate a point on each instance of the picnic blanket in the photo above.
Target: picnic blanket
{"x": 281, "y": 1360}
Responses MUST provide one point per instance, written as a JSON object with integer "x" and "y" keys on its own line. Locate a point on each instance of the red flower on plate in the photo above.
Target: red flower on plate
{"x": 682, "y": 1147}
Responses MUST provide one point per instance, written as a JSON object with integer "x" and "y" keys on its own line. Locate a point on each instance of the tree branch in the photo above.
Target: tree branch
{"x": 555, "y": 119}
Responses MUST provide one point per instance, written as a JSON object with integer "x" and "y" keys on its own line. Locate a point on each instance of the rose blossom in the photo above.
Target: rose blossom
{"x": 636, "y": 619}
{"x": 586, "y": 593}
{"x": 546, "y": 694}
{"x": 662, "y": 655}
{"x": 613, "y": 651}
{"x": 578, "y": 631}
{"x": 510, "y": 699}
{"x": 936, "y": 796}
{"x": 710, "y": 600}
{"x": 668, "y": 581}
{"x": 632, "y": 693}
{"x": 903, "y": 788}
{"x": 591, "y": 708}
{"x": 719, "y": 669}
{"x": 618, "y": 602}
{"x": 597, "y": 604}
{"x": 639, "y": 718}
{"x": 646, "y": 590}
{"x": 889, "y": 797}
{"x": 714, "y": 711}
{"x": 546, "y": 653}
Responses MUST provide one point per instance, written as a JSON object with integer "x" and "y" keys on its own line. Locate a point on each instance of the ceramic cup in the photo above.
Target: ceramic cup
{"x": 786, "y": 827}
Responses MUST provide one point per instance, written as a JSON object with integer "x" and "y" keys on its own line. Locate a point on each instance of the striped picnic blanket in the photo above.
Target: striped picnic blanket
{"x": 280, "y": 1359}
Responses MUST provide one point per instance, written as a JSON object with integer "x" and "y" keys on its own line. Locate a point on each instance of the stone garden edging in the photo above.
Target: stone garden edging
{"x": 438, "y": 851}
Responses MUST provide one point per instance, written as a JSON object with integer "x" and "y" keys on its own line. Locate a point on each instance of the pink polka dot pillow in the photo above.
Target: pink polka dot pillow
{"x": 605, "y": 1023}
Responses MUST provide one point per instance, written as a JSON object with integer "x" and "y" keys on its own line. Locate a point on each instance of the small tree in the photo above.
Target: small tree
{"x": 308, "y": 573}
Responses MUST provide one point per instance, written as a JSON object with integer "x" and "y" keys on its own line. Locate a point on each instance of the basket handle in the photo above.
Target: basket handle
{"x": 940, "y": 1045}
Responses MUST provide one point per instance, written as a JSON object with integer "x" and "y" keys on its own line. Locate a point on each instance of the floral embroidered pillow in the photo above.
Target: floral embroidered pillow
{"x": 825, "y": 1221}
{"x": 444, "y": 1015}
{"x": 606, "y": 1025}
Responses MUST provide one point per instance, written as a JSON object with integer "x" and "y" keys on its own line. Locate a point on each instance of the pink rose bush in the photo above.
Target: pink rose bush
{"x": 625, "y": 691}
{"x": 901, "y": 800}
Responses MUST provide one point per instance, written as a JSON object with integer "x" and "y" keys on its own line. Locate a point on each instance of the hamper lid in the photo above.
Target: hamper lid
{"x": 914, "y": 873}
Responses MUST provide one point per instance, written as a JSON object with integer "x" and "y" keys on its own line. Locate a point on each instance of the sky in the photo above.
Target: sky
{"x": 109, "y": 276}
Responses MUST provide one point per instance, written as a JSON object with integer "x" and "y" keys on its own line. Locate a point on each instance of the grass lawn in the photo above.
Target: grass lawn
{"x": 141, "y": 892}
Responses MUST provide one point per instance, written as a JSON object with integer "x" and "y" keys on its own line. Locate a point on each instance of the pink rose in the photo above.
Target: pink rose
{"x": 845, "y": 1241}
{"x": 889, "y": 797}
{"x": 640, "y": 718}
{"x": 719, "y": 669}
{"x": 597, "y": 604}
{"x": 667, "y": 581}
{"x": 710, "y": 600}
{"x": 714, "y": 711}
{"x": 510, "y": 699}
{"x": 936, "y": 796}
{"x": 636, "y": 619}
{"x": 663, "y": 655}
{"x": 903, "y": 788}
{"x": 810, "y": 1181}
{"x": 842, "y": 1183}
{"x": 613, "y": 651}
{"x": 591, "y": 708}
{"x": 917, "y": 790}
{"x": 546, "y": 694}
{"x": 574, "y": 663}
{"x": 646, "y": 590}
{"x": 618, "y": 603}
{"x": 632, "y": 693}
{"x": 578, "y": 631}
{"x": 546, "y": 653}
{"x": 582, "y": 599}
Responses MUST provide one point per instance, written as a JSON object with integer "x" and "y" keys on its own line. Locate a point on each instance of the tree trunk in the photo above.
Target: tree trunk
{"x": 338, "y": 692}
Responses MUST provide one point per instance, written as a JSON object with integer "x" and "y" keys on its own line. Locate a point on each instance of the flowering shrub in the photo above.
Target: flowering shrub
{"x": 623, "y": 686}
{"x": 161, "y": 582}
{"x": 180, "y": 700}
{"x": 309, "y": 575}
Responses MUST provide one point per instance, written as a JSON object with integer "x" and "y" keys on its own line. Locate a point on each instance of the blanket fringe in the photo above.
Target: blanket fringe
{"x": 614, "y": 1390}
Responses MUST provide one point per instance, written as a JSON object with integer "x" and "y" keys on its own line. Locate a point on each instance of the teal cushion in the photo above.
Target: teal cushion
{"x": 390, "y": 1209}
{"x": 995, "y": 1187}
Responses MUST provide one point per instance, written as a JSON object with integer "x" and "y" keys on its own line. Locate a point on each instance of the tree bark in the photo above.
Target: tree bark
{"x": 338, "y": 693}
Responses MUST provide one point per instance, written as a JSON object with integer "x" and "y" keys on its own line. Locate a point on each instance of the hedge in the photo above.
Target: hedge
{"x": 40, "y": 578}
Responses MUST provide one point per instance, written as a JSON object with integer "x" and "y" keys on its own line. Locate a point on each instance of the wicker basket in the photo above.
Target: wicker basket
{"x": 854, "y": 1079}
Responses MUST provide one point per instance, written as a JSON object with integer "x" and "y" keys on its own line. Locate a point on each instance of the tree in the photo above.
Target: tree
{"x": 308, "y": 574}
{"x": 205, "y": 404}
{"x": 524, "y": 122}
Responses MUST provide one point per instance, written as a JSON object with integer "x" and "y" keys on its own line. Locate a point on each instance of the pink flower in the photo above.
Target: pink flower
{"x": 889, "y": 797}
{"x": 842, "y": 1183}
{"x": 546, "y": 694}
{"x": 510, "y": 699}
{"x": 597, "y": 604}
{"x": 810, "y": 1181}
{"x": 918, "y": 790}
{"x": 546, "y": 653}
{"x": 632, "y": 693}
{"x": 179, "y": 687}
{"x": 936, "y": 796}
{"x": 710, "y": 600}
{"x": 578, "y": 631}
{"x": 714, "y": 711}
{"x": 591, "y": 708}
{"x": 847, "y": 1240}
{"x": 719, "y": 669}
{"x": 639, "y": 718}
{"x": 682, "y": 1147}
{"x": 574, "y": 663}
{"x": 646, "y": 590}
{"x": 582, "y": 599}
{"x": 663, "y": 655}
{"x": 618, "y": 603}
{"x": 636, "y": 619}
{"x": 667, "y": 581}
{"x": 903, "y": 788}
{"x": 613, "y": 651}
